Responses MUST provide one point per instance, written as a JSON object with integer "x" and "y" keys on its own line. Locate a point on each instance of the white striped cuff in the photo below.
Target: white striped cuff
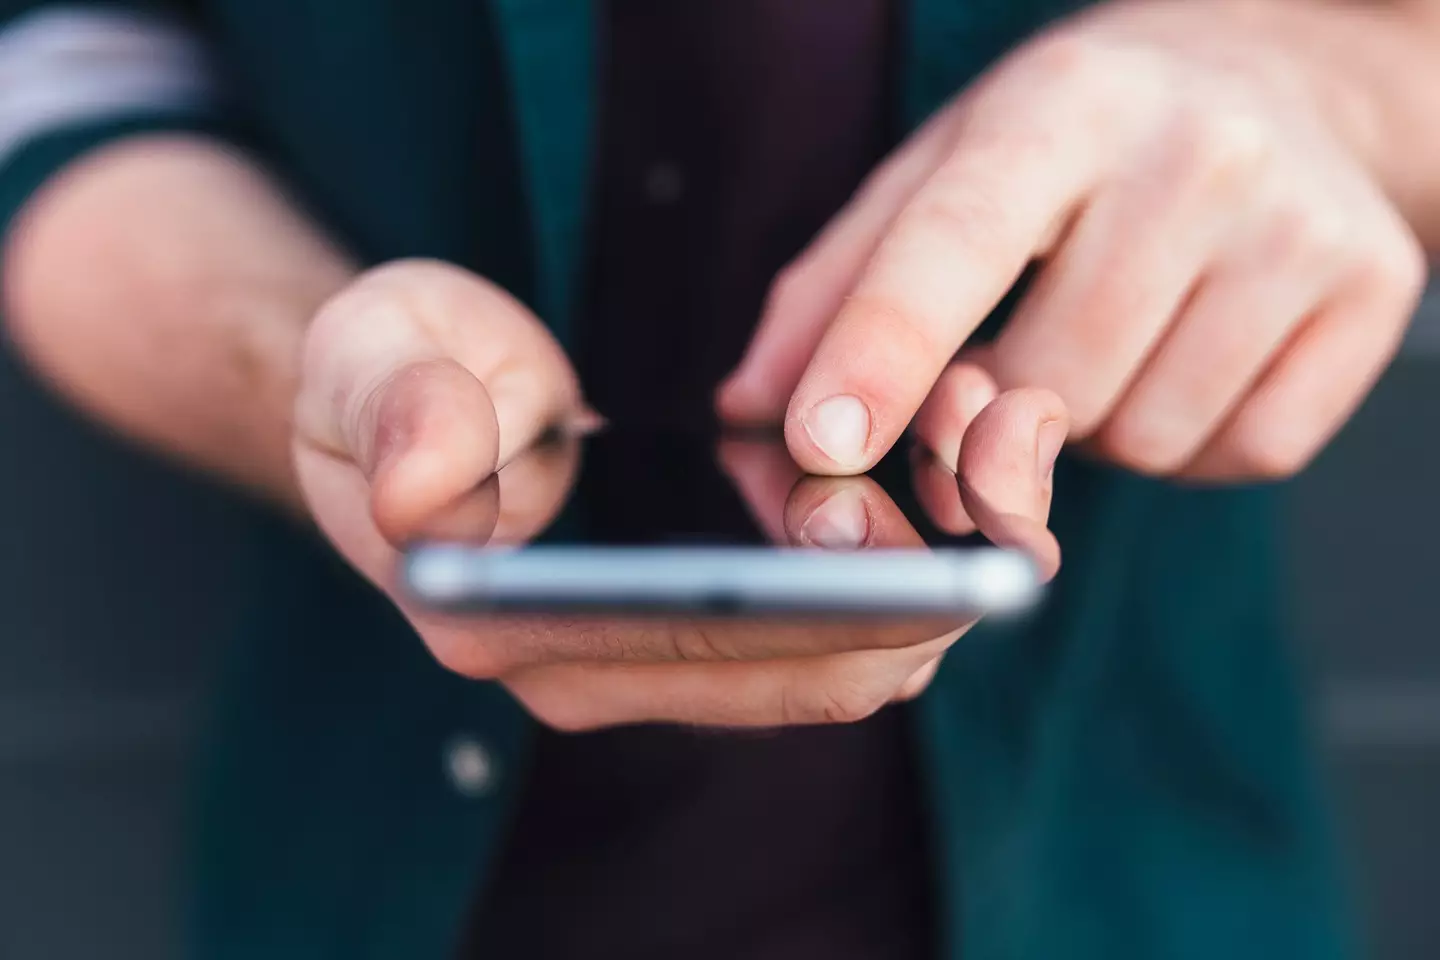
{"x": 65, "y": 66}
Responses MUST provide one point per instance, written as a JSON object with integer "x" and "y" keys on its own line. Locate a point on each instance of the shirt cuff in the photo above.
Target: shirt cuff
{"x": 75, "y": 76}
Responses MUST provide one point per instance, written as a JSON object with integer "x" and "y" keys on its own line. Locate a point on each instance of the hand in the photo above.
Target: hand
{"x": 418, "y": 382}
{"x": 1222, "y": 280}
{"x": 421, "y": 380}
{"x": 776, "y": 673}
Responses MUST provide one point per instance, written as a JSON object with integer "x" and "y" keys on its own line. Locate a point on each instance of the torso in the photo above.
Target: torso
{"x": 730, "y": 131}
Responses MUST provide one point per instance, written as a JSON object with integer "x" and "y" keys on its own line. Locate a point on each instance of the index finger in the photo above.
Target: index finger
{"x": 949, "y": 257}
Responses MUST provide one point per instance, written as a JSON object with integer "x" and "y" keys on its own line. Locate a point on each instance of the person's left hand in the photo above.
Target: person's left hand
{"x": 1222, "y": 278}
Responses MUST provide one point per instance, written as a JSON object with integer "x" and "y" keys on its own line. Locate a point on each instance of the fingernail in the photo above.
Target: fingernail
{"x": 1047, "y": 449}
{"x": 839, "y": 523}
{"x": 840, "y": 427}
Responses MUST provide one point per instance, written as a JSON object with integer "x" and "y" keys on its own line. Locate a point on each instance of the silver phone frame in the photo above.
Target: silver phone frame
{"x": 741, "y": 581}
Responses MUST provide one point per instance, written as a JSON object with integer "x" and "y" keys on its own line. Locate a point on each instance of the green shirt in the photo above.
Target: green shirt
{"x": 1127, "y": 775}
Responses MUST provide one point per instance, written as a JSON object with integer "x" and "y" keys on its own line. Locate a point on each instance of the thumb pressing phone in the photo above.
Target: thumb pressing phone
{"x": 631, "y": 523}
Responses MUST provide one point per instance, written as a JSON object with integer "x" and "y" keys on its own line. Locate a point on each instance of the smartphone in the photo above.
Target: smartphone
{"x": 626, "y": 523}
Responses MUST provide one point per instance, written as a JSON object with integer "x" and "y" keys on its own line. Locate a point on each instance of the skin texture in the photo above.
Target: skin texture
{"x": 1224, "y": 199}
{"x": 163, "y": 285}
{"x": 409, "y": 407}
{"x": 1221, "y": 277}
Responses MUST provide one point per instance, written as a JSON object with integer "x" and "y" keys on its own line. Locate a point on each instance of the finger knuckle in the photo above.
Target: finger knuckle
{"x": 470, "y": 656}
{"x": 913, "y": 688}
{"x": 1399, "y": 266}
{"x": 1267, "y": 450}
{"x": 357, "y": 304}
{"x": 1302, "y": 237}
{"x": 901, "y": 336}
{"x": 1069, "y": 57}
{"x": 1109, "y": 308}
{"x": 384, "y": 289}
{"x": 1083, "y": 362}
{"x": 1410, "y": 260}
{"x": 412, "y": 272}
{"x": 912, "y": 691}
{"x": 1330, "y": 234}
{"x": 1069, "y": 375}
{"x": 835, "y": 700}
{"x": 1086, "y": 416}
{"x": 787, "y": 287}
{"x": 848, "y": 702}
{"x": 1220, "y": 148}
{"x": 556, "y": 707}
{"x": 792, "y": 293}
{"x": 1140, "y": 446}
{"x": 965, "y": 214}
{"x": 986, "y": 144}
{"x": 697, "y": 643}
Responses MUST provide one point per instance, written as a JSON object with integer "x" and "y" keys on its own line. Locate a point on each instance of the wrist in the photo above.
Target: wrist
{"x": 163, "y": 286}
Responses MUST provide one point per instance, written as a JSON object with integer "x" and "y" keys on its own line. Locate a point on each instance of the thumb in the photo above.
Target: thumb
{"x": 1005, "y": 472}
{"x": 426, "y": 379}
{"x": 426, "y": 437}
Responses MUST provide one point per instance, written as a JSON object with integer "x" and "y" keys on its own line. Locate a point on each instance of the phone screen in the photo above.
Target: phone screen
{"x": 688, "y": 524}
{"x": 646, "y": 488}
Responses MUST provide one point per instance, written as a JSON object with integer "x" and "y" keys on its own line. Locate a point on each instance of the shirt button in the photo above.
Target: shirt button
{"x": 470, "y": 767}
{"x": 664, "y": 183}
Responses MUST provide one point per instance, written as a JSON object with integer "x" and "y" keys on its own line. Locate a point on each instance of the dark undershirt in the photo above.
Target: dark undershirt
{"x": 731, "y": 130}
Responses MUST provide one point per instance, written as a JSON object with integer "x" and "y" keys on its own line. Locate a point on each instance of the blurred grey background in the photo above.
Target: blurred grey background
{"x": 1364, "y": 525}
{"x": 97, "y": 541}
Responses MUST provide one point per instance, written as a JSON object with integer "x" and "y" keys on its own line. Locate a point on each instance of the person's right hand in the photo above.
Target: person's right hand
{"x": 421, "y": 380}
